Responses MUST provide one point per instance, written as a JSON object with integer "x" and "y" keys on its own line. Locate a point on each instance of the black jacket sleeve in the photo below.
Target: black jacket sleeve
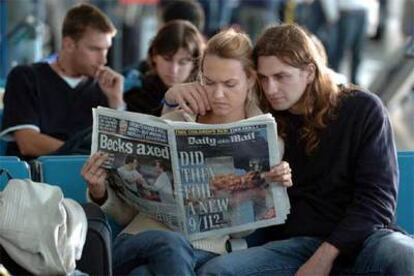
{"x": 20, "y": 98}
{"x": 375, "y": 175}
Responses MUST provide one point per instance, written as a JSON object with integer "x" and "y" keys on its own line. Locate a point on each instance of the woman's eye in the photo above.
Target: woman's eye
{"x": 231, "y": 84}
{"x": 167, "y": 58}
{"x": 185, "y": 61}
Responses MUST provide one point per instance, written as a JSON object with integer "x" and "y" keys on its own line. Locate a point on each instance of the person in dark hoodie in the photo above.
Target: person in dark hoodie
{"x": 173, "y": 58}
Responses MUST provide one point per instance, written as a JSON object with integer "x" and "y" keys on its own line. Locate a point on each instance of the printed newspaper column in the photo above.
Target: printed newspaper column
{"x": 139, "y": 164}
{"x": 222, "y": 178}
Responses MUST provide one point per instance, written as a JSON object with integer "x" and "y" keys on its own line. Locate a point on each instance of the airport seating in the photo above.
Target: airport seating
{"x": 14, "y": 166}
{"x": 3, "y": 144}
{"x": 64, "y": 171}
{"x": 405, "y": 206}
{"x": 8, "y": 157}
{"x": 3, "y": 147}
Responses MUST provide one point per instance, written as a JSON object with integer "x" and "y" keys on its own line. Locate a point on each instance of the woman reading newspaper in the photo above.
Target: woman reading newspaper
{"x": 146, "y": 246}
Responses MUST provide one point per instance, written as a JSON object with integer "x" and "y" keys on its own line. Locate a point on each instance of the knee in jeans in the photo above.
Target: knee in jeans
{"x": 216, "y": 267}
{"x": 398, "y": 254}
{"x": 172, "y": 241}
{"x": 171, "y": 238}
{"x": 402, "y": 258}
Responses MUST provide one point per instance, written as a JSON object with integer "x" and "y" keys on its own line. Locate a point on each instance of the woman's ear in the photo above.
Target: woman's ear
{"x": 151, "y": 58}
{"x": 151, "y": 61}
{"x": 251, "y": 79}
{"x": 310, "y": 70}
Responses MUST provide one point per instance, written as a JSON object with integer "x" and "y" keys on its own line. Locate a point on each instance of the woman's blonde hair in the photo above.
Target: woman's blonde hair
{"x": 294, "y": 46}
{"x": 231, "y": 44}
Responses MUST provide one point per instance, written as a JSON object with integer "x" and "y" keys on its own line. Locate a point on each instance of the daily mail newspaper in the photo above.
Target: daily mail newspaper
{"x": 200, "y": 179}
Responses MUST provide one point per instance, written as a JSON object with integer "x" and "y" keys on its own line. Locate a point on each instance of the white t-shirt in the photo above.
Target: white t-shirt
{"x": 163, "y": 186}
{"x": 131, "y": 177}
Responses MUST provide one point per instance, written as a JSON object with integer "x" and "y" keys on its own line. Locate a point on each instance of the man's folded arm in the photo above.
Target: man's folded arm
{"x": 34, "y": 143}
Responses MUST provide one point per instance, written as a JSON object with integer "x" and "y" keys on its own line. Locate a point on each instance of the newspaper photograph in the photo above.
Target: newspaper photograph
{"x": 200, "y": 179}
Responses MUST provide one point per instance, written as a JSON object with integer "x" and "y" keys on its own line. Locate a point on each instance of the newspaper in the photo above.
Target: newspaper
{"x": 200, "y": 179}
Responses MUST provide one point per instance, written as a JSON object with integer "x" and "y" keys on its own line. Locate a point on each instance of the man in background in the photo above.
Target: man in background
{"x": 183, "y": 9}
{"x": 45, "y": 104}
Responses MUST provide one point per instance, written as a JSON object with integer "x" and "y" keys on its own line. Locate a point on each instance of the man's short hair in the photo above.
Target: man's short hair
{"x": 162, "y": 164}
{"x": 130, "y": 158}
{"x": 83, "y": 16}
{"x": 186, "y": 10}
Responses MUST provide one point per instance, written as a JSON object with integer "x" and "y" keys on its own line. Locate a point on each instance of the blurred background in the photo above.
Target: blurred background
{"x": 369, "y": 42}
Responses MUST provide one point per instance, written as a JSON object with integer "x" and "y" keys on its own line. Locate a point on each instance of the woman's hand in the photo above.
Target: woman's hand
{"x": 270, "y": 213}
{"x": 280, "y": 173}
{"x": 191, "y": 97}
{"x": 95, "y": 176}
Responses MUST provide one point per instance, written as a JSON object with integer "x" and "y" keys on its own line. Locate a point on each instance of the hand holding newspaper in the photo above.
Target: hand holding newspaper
{"x": 199, "y": 179}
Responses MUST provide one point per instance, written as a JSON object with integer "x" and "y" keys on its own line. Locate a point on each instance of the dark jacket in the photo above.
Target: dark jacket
{"x": 147, "y": 98}
{"x": 38, "y": 98}
{"x": 347, "y": 188}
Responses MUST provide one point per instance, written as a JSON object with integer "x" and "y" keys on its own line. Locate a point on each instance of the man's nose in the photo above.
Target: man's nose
{"x": 271, "y": 86}
{"x": 103, "y": 58}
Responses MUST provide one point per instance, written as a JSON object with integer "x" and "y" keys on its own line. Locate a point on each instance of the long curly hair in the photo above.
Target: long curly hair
{"x": 294, "y": 46}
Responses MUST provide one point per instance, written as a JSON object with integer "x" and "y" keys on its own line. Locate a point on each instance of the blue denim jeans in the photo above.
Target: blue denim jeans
{"x": 351, "y": 36}
{"x": 156, "y": 252}
{"x": 384, "y": 253}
